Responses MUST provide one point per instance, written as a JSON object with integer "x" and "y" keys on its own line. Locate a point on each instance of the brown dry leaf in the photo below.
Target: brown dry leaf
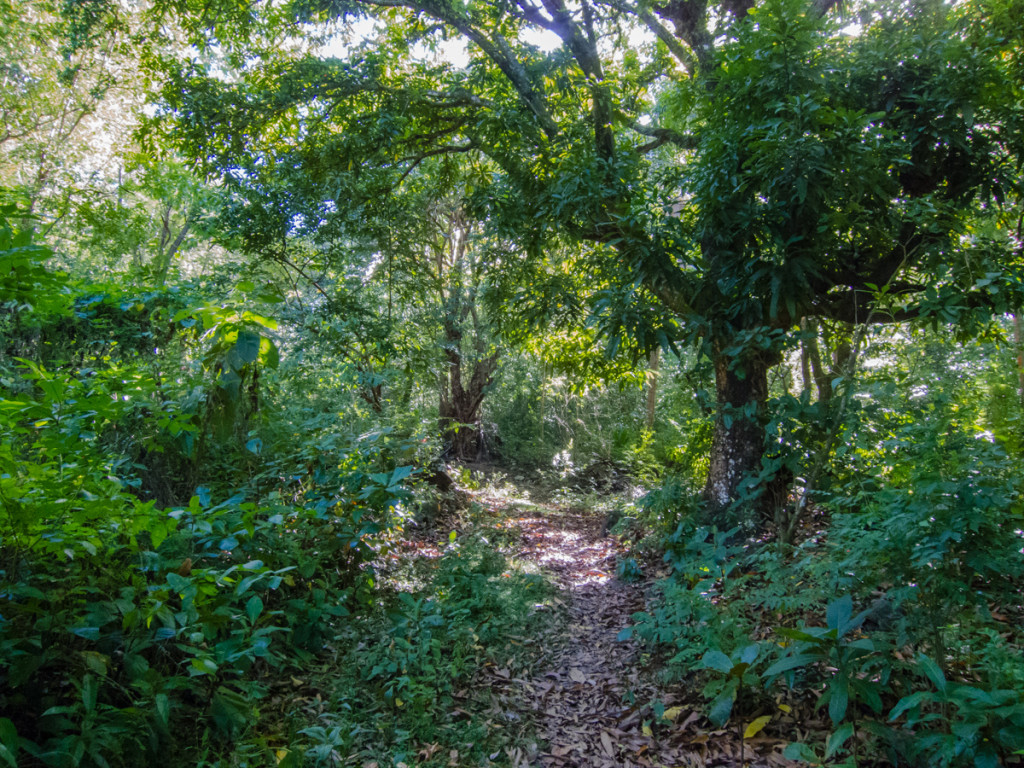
{"x": 576, "y": 676}
{"x": 429, "y": 751}
{"x": 606, "y": 742}
{"x": 694, "y": 716}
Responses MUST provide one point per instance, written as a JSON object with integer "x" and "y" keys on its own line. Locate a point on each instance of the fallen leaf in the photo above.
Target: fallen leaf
{"x": 755, "y": 727}
{"x": 694, "y": 716}
{"x": 672, "y": 713}
{"x": 576, "y": 676}
{"x": 606, "y": 741}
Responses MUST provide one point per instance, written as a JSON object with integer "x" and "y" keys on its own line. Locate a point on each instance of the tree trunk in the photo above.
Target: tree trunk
{"x": 460, "y": 404}
{"x": 1019, "y": 349}
{"x": 459, "y": 407}
{"x": 821, "y": 377}
{"x": 652, "y": 386}
{"x": 738, "y": 444}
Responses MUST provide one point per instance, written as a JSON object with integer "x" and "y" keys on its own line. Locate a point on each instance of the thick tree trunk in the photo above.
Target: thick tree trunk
{"x": 460, "y": 405}
{"x": 738, "y": 443}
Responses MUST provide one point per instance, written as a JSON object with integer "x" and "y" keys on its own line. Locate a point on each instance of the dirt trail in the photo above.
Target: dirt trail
{"x": 589, "y": 695}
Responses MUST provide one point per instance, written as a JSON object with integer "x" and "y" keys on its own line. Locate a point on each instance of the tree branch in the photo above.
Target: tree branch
{"x": 449, "y": 149}
{"x": 664, "y": 136}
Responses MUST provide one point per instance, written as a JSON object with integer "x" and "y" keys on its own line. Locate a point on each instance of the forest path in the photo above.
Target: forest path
{"x": 589, "y": 694}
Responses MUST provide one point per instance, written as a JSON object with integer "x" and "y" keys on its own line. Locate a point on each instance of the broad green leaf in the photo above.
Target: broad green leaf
{"x": 177, "y": 582}
{"x": 204, "y": 666}
{"x": 163, "y": 708}
{"x": 246, "y": 350}
{"x": 787, "y": 663}
{"x": 269, "y": 354}
{"x": 8, "y": 742}
{"x": 799, "y": 751}
{"x": 804, "y": 635}
{"x": 721, "y": 707}
{"x": 837, "y": 739}
{"x": 838, "y": 612}
{"x": 90, "y": 690}
{"x": 253, "y": 608}
{"x": 932, "y": 672}
{"x": 839, "y": 699}
{"x": 909, "y": 702}
{"x": 717, "y": 660}
{"x": 750, "y": 653}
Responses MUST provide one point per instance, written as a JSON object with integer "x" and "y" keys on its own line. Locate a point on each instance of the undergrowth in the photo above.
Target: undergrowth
{"x": 894, "y": 622}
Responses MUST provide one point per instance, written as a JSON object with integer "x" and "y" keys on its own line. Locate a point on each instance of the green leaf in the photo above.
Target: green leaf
{"x": 932, "y": 672}
{"x": 838, "y": 612}
{"x": 96, "y": 662}
{"x": 717, "y": 660}
{"x": 791, "y": 662}
{"x": 867, "y": 691}
{"x": 840, "y": 698}
{"x": 163, "y": 708}
{"x": 721, "y": 707}
{"x": 750, "y": 653}
{"x": 399, "y": 475}
{"x": 90, "y": 690}
{"x": 8, "y": 742}
{"x": 836, "y": 740}
{"x": 799, "y": 751}
{"x": 177, "y": 582}
{"x": 269, "y": 354}
{"x": 909, "y": 702}
{"x": 230, "y": 711}
{"x": 253, "y": 608}
{"x": 800, "y": 634}
{"x": 246, "y": 350}
{"x": 204, "y": 666}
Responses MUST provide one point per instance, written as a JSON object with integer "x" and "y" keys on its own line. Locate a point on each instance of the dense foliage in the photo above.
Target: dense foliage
{"x": 275, "y": 277}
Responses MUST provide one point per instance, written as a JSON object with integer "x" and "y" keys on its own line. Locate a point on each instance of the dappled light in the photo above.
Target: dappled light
{"x": 520, "y": 384}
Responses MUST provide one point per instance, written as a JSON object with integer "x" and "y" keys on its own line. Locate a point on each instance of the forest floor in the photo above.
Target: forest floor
{"x": 584, "y": 697}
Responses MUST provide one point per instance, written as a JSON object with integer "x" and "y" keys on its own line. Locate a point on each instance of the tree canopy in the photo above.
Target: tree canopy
{"x": 725, "y": 170}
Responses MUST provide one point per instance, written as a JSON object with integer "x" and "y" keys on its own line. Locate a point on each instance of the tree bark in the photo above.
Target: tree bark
{"x": 822, "y": 379}
{"x": 459, "y": 407}
{"x": 652, "y": 386}
{"x": 1019, "y": 349}
{"x": 738, "y": 444}
{"x": 460, "y": 404}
